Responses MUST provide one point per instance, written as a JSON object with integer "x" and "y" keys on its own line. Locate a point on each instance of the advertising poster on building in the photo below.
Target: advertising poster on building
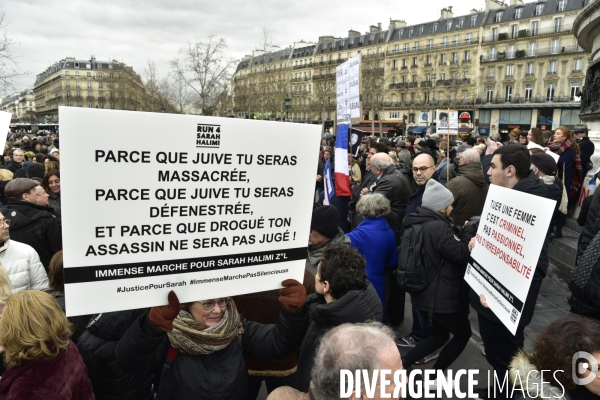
{"x": 510, "y": 237}
{"x": 347, "y": 80}
{"x": 447, "y": 122}
{"x": 5, "y": 124}
{"x": 207, "y": 207}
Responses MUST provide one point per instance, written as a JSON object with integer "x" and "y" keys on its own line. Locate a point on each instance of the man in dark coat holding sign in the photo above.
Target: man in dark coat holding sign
{"x": 510, "y": 168}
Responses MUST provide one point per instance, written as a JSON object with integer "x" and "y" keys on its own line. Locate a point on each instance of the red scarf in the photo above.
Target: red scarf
{"x": 576, "y": 181}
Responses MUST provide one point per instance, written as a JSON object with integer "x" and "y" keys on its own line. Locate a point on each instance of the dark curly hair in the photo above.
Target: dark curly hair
{"x": 344, "y": 268}
{"x": 559, "y": 341}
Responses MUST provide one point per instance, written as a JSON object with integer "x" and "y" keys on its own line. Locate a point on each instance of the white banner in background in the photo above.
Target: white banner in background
{"x": 207, "y": 207}
{"x": 347, "y": 80}
{"x": 5, "y": 122}
{"x": 510, "y": 238}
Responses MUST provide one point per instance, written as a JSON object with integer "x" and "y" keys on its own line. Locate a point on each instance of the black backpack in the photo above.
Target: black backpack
{"x": 416, "y": 269}
{"x": 585, "y": 284}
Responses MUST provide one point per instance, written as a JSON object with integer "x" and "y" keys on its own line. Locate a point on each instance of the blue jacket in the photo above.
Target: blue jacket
{"x": 376, "y": 241}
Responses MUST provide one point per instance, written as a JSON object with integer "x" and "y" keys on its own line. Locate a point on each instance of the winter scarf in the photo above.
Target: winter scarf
{"x": 559, "y": 149}
{"x": 191, "y": 337}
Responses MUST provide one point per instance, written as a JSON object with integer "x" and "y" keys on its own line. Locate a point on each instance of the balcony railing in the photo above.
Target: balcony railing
{"x": 465, "y": 42}
{"x": 538, "y": 53}
{"x": 524, "y": 33}
{"x": 317, "y": 77}
{"x": 522, "y": 99}
{"x": 300, "y": 79}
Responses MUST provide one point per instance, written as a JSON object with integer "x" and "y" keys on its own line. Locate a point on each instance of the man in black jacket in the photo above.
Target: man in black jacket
{"x": 580, "y": 132}
{"x": 393, "y": 185}
{"x": 510, "y": 168}
{"x": 16, "y": 162}
{"x": 30, "y": 223}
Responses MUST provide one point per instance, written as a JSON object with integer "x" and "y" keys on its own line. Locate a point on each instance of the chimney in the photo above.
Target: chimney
{"x": 374, "y": 28}
{"x": 516, "y": 2}
{"x": 352, "y": 33}
{"x": 93, "y": 58}
{"x": 493, "y": 4}
{"x": 323, "y": 39}
{"x": 397, "y": 23}
{"x": 446, "y": 13}
{"x": 474, "y": 11}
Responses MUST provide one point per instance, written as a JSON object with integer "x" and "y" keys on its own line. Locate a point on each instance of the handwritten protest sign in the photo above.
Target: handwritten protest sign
{"x": 510, "y": 237}
{"x": 347, "y": 80}
{"x": 208, "y": 207}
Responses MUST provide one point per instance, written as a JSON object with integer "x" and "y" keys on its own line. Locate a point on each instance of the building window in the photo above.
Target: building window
{"x": 574, "y": 90}
{"x": 89, "y": 84}
{"x": 577, "y": 64}
{"x": 528, "y": 91}
{"x": 534, "y": 28}
{"x": 90, "y": 105}
{"x": 394, "y": 114}
{"x": 498, "y": 16}
{"x": 539, "y": 9}
{"x": 562, "y": 4}
{"x": 511, "y": 51}
{"x": 434, "y": 27}
{"x": 76, "y": 74}
{"x": 66, "y": 74}
{"x": 473, "y": 20}
{"x": 421, "y": 29}
{"x": 518, "y": 12}
{"x": 415, "y": 62}
{"x": 428, "y": 59}
{"x": 448, "y": 25}
{"x": 552, "y": 67}
{"x": 404, "y": 62}
{"x": 468, "y": 37}
{"x": 442, "y": 59}
{"x": 491, "y": 72}
{"x": 77, "y": 83}
{"x": 467, "y": 55}
{"x": 557, "y": 24}
{"x": 492, "y": 53}
{"x": 396, "y": 49}
{"x": 426, "y": 94}
{"x": 532, "y": 49}
{"x": 411, "y": 117}
{"x": 514, "y": 31}
{"x": 454, "y": 57}
{"x": 490, "y": 94}
{"x": 416, "y": 46}
{"x": 494, "y": 34}
{"x": 510, "y": 69}
{"x": 554, "y": 46}
{"x": 461, "y": 22}
{"x": 68, "y": 83}
{"x": 443, "y": 76}
{"x": 456, "y": 40}
{"x": 507, "y": 93}
{"x": 550, "y": 92}
{"x": 444, "y": 41}
{"x": 399, "y": 35}
{"x": 441, "y": 95}
{"x": 529, "y": 69}
{"x": 406, "y": 47}
{"x": 89, "y": 75}
{"x": 430, "y": 44}
{"x": 410, "y": 32}
{"x": 466, "y": 74}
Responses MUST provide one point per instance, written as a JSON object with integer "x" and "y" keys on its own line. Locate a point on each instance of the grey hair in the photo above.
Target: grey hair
{"x": 381, "y": 161}
{"x": 19, "y": 150}
{"x": 471, "y": 155}
{"x": 348, "y": 346}
{"x": 495, "y": 136}
{"x": 373, "y": 205}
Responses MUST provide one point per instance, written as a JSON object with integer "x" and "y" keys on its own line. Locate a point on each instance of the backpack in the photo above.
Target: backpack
{"x": 416, "y": 269}
{"x": 585, "y": 284}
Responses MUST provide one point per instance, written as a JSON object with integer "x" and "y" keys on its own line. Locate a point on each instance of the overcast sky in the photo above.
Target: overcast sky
{"x": 46, "y": 31}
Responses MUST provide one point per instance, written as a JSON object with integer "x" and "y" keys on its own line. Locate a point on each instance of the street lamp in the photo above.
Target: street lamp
{"x": 287, "y": 102}
{"x": 404, "y": 118}
{"x": 432, "y": 99}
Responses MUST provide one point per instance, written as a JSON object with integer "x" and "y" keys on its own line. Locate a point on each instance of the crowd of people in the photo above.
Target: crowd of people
{"x": 361, "y": 267}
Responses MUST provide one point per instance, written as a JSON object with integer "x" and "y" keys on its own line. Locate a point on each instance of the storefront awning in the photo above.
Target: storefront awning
{"x": 417, "y": 129}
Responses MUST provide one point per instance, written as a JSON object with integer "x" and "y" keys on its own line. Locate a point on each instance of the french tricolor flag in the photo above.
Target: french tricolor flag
{"x": 342, "y": 174}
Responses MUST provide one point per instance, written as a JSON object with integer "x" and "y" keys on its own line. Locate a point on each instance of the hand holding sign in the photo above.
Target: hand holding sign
{"x": 162, "y": 316}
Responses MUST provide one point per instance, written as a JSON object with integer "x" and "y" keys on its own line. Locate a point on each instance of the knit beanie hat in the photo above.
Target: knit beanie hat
{"x": 436, "y": 197}
{"x": 325, "y": 221}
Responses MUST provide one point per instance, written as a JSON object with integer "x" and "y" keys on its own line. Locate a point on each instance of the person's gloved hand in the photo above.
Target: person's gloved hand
{"x": 162, "y": 316}
{"x": 293, "y": 295}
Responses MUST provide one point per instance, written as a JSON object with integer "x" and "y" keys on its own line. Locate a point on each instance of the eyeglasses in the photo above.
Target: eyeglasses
{"x": 210, "y": 304}
{"x": 6, "y": 221}
{"x": 597, "y": 372}
{"x": 421, "y": 169}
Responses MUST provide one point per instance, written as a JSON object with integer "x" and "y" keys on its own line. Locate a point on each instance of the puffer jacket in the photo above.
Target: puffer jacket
{"x": 353, "y": 307}
{"x": 469, "y": 190}
{"x": 449, "y": 247}
{"x": 35, "y": 226}
{"x": 314, "y": 255}
{"x": 23, "y": 266}
{"x": 97, "y": 348}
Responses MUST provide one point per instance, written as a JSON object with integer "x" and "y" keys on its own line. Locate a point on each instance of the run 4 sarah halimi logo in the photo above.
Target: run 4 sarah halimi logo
{"x": 208, "y": 135}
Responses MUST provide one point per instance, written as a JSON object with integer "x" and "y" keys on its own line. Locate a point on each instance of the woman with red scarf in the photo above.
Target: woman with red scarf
{"x": 569, "y": 168}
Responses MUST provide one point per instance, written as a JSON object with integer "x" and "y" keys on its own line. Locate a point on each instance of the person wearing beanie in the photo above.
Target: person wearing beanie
{"x": 544, "y": 167}
{"x": 447, "y": 248}
{"x": 324, "y": 230}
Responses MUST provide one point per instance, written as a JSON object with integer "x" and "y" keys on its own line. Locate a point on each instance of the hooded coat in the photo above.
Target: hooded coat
{"x": 97, "y": 347}
{"x": 469, "y": 190}
{"x": 353, "y": 307}
{"x": 33, "y": 225}
{"x": 396, "y": 188}
{"x": 448, "y": 246}
{"x": 530, "y": 184}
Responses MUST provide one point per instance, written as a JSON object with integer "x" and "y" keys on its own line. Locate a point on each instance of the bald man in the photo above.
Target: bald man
{"x": 469, "y": 188}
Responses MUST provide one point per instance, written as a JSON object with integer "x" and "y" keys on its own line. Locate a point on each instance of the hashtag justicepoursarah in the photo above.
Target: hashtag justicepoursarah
{"x": 119, "y": 289}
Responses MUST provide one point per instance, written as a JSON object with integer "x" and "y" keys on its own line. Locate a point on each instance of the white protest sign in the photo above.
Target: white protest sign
{"x": 446, "y": 122}
{"x": 5, "y": 124}
{"x": 510, "y": 237}
{"x": 207, "y": 207}
{"x": 347, "y": 80}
